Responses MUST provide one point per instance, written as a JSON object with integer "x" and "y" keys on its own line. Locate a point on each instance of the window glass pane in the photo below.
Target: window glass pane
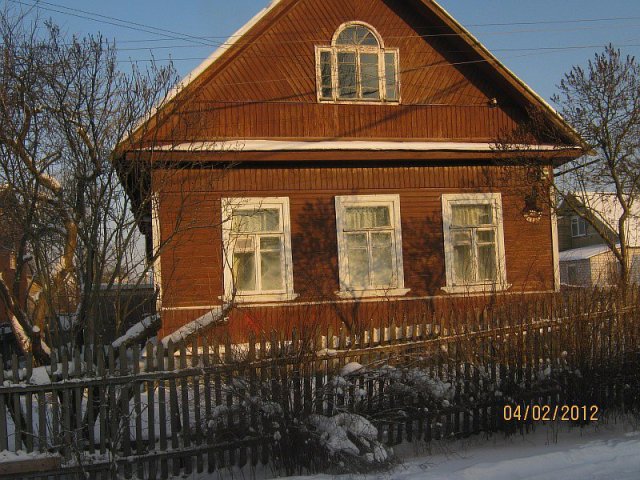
{"x": 578, "y": 226}
{"x": 244, "y": 271}
{"x": 369, "y": 78}
{"x": 243, "y": 244}
{"x": 248, "y": 221}
{"x": 346, "y": 75}
{"x": 462, "y": 263}
{"x": 486, "y": 236}
{"x": 357, "y": 240}
{"x": 364, "y": 36}
{"x": 347, "y": 36}
{"x": 358, "y": 260}
{"x": 391, "y": 89}
{"x": 382, "y": 258}
{"x": 271, "y": 270}
{"x": 460, "y": 237}
{"x": 325, "y": 72}
{"x": 367, "y": 217}
{"x": 269, "y": 243}
{"x": 487, "y": 262}
{"x": 469, "y": 215}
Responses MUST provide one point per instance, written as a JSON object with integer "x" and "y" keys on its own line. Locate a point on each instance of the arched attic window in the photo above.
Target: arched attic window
{"x": 357, "y": 67}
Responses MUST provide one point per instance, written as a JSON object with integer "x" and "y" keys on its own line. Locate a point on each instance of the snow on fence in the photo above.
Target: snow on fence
{"x": 156, "y": 412}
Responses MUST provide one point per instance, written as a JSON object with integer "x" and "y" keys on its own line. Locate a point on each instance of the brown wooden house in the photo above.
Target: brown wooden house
{"x": 337, "y": 161}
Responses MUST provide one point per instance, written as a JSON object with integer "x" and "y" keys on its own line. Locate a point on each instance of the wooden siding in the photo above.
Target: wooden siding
{"x": 190, "y": 224}
{"x": 265, "y": 86}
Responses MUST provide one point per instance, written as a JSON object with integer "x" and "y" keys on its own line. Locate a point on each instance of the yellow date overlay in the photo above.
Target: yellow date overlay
{"x": 550, "y": 413}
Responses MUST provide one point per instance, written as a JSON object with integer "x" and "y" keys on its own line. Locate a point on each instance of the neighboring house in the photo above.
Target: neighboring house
{"x": 334, "y": 161}
{"x": 585, "y": 257}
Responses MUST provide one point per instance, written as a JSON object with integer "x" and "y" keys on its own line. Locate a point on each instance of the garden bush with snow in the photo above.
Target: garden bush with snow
{"x": 349, "y": 442}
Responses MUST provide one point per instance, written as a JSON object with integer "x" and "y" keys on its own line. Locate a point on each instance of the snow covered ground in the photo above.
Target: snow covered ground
{"x": 587, "y": 455}
{"x": 551, "y": 453}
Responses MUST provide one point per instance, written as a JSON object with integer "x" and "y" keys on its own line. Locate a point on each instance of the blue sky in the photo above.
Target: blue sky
{"x": 523, "y": 34}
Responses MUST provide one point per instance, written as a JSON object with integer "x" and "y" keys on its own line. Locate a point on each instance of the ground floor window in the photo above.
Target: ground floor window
{"x": 257, "y": 249}
{"x": 369, "y": 245}
{"x": 473, "y": 242}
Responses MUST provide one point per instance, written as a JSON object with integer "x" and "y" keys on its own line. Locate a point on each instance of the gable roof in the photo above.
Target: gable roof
{"x": 608, "y": 210}
{"x": 269, "y": 14}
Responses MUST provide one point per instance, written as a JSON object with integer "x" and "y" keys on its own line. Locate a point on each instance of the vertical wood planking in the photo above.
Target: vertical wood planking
{"x": 162, "y": 411}
{"x": 206, "y": 360}
{"x": 151, "y": 410}
{"x": 102, "y": 398}
{"x": 197, "y": 428}
{"x": 186, "y": 421}
{"x": 173, "y": 408}
{"x": 137, "y": 406}
{"x": 66, "y": 408}
{"x": 3, "y": 411}
{"x": 125, "y": 411}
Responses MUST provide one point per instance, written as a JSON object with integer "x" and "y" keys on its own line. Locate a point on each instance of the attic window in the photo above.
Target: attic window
{"x": 357, "y": 67}
{"x": 578, "y": 227}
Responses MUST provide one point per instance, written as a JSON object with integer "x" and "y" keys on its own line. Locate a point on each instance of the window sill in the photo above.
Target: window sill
{"x": 388, "y": 292}
{"x": 262, "y": 298}
{"x": 345, "y": 101}
{"x": 481, "y": 288}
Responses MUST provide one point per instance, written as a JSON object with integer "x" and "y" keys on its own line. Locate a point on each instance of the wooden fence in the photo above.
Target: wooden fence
{"x": 154, "y": 412}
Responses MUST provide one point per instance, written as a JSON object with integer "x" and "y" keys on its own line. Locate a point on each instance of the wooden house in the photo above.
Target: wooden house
{"x": 586, "y": 259}
{"x": 337, "y": 161}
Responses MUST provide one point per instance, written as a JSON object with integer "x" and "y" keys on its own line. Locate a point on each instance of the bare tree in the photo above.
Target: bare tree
{"x": 64, "y": 105}
{"x": 602, "y": 102}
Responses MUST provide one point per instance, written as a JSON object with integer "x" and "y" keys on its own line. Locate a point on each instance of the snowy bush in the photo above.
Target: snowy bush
{"x": 349, "y": 441}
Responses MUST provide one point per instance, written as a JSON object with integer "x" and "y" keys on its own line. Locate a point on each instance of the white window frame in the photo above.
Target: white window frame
{"x": 495, "y": 200}
{"x": 257, "y": 203}
{"x": 391, "y": 201}
{"x": 380, "y": 50}
{"x": 578, "y": 221}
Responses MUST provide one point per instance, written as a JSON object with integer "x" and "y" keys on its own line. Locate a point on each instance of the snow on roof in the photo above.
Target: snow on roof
{"x": 196, "y": 72}
{"x": 279, "y": 145}
{"x": 582, "y": 253}
{"x": 606, "y": 207}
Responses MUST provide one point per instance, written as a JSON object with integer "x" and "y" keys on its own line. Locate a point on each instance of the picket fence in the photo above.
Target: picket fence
{"x": 157, "y": 412}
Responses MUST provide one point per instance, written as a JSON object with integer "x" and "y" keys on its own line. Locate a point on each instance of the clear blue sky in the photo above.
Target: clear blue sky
{"x": 523, "y": 34}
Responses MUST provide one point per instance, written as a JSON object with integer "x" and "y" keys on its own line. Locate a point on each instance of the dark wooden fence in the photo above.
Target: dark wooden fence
{"x": 156, "y": 412}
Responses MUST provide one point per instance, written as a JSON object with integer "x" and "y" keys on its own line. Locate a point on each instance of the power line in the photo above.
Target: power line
{"x": 172, "y": 35}
{"x": 388, "y": 37}
{"x": 536, "y": 49}
{"x": 206, "y": 40}
{"x": 403, "y": 82}
{"x": 121, "y": 23}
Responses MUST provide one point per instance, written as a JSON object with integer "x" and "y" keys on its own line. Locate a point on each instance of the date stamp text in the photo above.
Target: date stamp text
{"x": 550, "y": 413}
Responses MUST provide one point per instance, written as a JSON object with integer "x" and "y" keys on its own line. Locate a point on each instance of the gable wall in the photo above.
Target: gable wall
{"x": 268, "y": 88}
{"x": 567, "y": 242}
